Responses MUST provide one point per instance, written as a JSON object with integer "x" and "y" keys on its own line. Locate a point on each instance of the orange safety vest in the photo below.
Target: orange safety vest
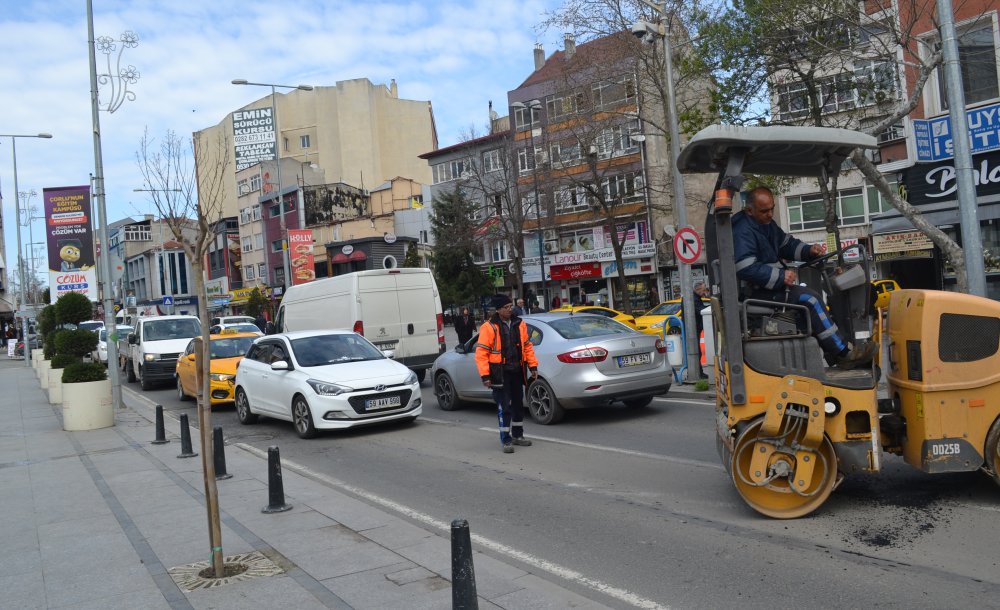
{"x": 488, "y": 347}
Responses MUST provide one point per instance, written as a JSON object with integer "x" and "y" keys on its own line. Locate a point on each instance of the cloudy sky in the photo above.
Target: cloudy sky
{"x": 458, "y": 55}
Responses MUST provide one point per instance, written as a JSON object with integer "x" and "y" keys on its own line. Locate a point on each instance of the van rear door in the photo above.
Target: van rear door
{"x": 418, "y": 315}
{"x": 380, "y": 310}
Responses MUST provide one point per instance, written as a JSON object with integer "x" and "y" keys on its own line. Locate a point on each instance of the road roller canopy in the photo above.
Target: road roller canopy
{"x": 773, "y": 150}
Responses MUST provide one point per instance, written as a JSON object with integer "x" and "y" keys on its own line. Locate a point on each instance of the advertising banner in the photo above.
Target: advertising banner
{"x": 934, "y": 137}
{"x": 300, "y": 251}
{"x": 253, "y": 136}
{"x": 70, "y": 241}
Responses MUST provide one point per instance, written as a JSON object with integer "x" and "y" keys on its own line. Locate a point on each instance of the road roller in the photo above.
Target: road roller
{"x": 790, "y": 428}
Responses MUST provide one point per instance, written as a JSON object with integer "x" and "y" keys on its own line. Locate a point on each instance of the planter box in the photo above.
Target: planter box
{"x": 55, "y": 386}
{"x": 87, "y": 406}
{"x": 43, "y": 373}
{"x": 37, "y": 356}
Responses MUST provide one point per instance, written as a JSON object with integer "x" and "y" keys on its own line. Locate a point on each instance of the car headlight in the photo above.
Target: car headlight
{"x": 150, "y": 357}
{"x": 325, "y": 388}
{"x": 220, "y": 377}
{"x": 410, "y": 379}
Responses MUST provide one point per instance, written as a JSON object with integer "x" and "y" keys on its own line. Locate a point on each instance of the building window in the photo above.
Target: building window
{"x": 526, "y": 161}
{"x": 276, "y": 245}
{"x": 423, "y": 237}
{"x": 617, "y": 140}
{"x": 255, "y": 182}
{"x": 499, "y": 251}
{"x": 876, "y": 202}
{"x": 477, "y": 253}
{"x": 247, "y": 244}
{"x": 261, "y": 270}
{"x": 289, "y": 206}
{"x": 279, "y": 276}
{"x": 491, "y": 160}
{"x": 304, "y": 141}
{"x": 528, "y": 207}
{"x": 448, "y": 171}
{"x": 138, "y": 233}
{"x": 614, "y": 92}
{"x": 255, "y": 212}
{"x": 563, "y": 104}
{"x": 242, "y": 187}
{"x": 977, "y": 59}
{"x": 258, "y": 241}
{"x": 244, "y": 216}
{"x": 527, "y": 116}
{"x": 624, "y": 188}
{"x": 248, "y": 273}
{"x": 565, "y": 153}
{"x": 807, "y": 211}
{"x": 571, "y": 199}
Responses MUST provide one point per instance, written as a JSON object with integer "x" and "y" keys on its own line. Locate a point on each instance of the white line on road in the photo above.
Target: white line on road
{"x": 537, "y": 562}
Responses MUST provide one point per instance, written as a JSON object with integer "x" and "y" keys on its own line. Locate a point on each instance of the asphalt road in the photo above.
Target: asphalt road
{"x": 632, "y": 508}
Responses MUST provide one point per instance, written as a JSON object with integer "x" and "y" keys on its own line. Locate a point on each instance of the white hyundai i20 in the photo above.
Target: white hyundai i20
{"x": 324, "y": 380}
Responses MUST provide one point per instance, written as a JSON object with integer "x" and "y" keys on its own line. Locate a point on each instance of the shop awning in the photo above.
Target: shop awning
{"x": 938, "y": 214}
{"x": 358, "y": 255}
{"x": 338, "y": 258}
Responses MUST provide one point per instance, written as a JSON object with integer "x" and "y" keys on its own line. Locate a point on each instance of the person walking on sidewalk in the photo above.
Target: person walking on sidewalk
{"x": 503, "y": 354}
{"x": 465, "y": 326}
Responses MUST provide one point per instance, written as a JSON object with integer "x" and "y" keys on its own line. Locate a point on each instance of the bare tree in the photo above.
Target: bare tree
{"x": 169, "y": 170}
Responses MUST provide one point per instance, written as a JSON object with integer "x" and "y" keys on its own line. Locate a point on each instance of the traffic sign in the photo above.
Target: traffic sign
{"x": 687, "y": 245}
{"x": 168, "y": 301}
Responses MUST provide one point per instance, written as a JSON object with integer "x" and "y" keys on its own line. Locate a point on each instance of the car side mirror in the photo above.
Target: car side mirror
{"x": 131, "y": 340}
{"x": 388, "y": 353}
{"x": 190, "y": 357}
{"x": 280, "y": 365}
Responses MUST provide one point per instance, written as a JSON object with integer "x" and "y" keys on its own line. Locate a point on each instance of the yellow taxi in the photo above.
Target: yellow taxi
{"x": 226, "y": 350}
{"x": 653, "y": 320}
{"x": 624, "y": 318}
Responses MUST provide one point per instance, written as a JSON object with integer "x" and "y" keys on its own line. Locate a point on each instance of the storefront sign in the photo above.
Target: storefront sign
{"x": 899, "y": 242}
{"x": 577, "y": 271}
{"x": 888, "y": 256}
{"x": 300, "y": 249}
{"x": 632, "y": 267}
{"x": 933, "y": 137}
{"x": 602, "y": 255}
{"x": 242, "y": 295}
{"x": 935, "y": 181}
{"x": 217, "y": 288}
{"x": 347, "y": 250}
{"x": 70, "y": 241}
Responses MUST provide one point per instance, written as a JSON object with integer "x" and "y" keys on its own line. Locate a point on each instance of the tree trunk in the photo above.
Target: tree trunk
{"x": 620, "y": 280}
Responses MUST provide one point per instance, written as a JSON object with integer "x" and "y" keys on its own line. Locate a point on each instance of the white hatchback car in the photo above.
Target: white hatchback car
{"x": 324, "y": 380}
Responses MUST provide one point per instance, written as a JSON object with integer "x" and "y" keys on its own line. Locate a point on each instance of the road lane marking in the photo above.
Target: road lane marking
{"x": 537, "y": 562}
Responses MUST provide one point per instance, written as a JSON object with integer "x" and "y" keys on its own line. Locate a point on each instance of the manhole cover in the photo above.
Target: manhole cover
{"x": 238, "y": 568}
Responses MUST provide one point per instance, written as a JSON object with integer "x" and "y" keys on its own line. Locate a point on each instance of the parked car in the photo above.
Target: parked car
{"x": 225, "y": 351}
{"x": 607, "y": 312}
{"x": 236, "y": 327}
{"x": 94, "y": 325}
{"x": 584, "y": 360}
{"x": 154, "y": 346}
{"x": 232, "y": 320}
{"x": 321, "y": 380}
{"x": 653, "y": 320}
{"x": 100, "y": 353}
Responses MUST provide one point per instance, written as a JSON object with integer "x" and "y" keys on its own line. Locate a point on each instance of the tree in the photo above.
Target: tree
{"x": 73, "y": 308}
{"x": 458, "y": 278}
{"x": 170, "y": 175}
{"x": 412, "y": 259}
{"x": 257, "y": 303}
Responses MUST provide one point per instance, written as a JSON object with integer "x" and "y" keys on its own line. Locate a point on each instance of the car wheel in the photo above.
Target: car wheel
{"x": 129, "y": 372}
{"x": 243, "y": 412}
{"x": 638, "y": 403}
{"x": 302, "y": 418}
{"x": 421, "y": 375}
{"x": 543, "y": 406}
{"x": 180, "y": 390}
{"x": 144, "y": 383}
{"x": 444, "y": 390}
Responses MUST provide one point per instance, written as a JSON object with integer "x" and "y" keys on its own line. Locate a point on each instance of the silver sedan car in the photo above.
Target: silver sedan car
{"x": 584, "y": 360}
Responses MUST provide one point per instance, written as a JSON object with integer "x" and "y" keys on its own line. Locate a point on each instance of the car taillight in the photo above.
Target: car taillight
{"x": 359, "y": 327}
{"x": 587, "y": 354}
{"x": 440, "y": 325}
{"x": 661, "y": 346}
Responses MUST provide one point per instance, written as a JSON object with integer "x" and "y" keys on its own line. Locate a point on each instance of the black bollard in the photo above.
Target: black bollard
{"x": 463, "y": 573}
{"x": 186, "y": 450}
{"x": 219, "y": 453}
{"x": 161, "y": 435}
{"x": 275, "y": 487}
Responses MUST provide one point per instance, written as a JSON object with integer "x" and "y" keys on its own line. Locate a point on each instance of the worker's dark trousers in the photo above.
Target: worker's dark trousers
{"x": 823, "y": 328}
{"x": 510, "y": 405}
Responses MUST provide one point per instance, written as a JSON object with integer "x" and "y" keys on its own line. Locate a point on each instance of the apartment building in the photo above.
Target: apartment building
{"x": 154, "y": 266}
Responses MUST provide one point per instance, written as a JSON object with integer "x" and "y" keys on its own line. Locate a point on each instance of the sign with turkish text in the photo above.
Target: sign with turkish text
{"x": 300, "y": 249}
{"x": 902, "y": 241}
{"x": 70, "y": 241}
{"x": 253, "y": 136}
{"x": 936, "y": 181}
{"x": 632, "y": 267}
{"x": 934, "y": 138}
{"x": 576, "y": 271}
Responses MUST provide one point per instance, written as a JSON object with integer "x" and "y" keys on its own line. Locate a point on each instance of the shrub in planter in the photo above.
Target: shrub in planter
{"x": 47, "y": 320}
{"x": 61, "y": 361}
{"x": 73, "y": 308}
{"x": 82, "y": 372}
{"x": 77, "y": 343}
{"x": 49, "y": 347}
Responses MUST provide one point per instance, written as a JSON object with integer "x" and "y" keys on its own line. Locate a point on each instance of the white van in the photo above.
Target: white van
{"x": 396, "y": 309}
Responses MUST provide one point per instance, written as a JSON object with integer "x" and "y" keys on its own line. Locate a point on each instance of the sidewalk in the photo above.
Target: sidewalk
{"x": 104, "y": 519}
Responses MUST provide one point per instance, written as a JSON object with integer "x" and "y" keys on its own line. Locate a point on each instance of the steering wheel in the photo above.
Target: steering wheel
{"x": 822, "y": 259}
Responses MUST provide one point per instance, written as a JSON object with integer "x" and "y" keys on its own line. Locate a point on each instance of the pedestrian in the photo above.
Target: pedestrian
{"x": 260, "y": 322}
{"x": 465, "y": 326}
{"x": 701, "y": 291}
{"x": 556, "y": 302}
{"x": 519, "y": 309}
{"x": 505, "y": 357}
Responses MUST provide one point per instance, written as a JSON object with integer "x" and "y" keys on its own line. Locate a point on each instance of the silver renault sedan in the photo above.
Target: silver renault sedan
{"x": 584, "y": 360}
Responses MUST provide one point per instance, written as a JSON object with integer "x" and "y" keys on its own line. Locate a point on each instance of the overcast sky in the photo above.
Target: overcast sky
{"x": 458, "y": 55}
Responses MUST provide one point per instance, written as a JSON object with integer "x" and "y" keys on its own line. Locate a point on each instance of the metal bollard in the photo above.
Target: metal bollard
{"x": 219, "y": 453}
{"x": 186, "y": 450}
{"x": 275, "y": 486}
{"x": 463, "y": 573}
{"x": 161, "y": 435}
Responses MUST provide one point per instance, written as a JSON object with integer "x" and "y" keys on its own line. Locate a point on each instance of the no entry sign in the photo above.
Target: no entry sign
{"x": 687, "y": 245}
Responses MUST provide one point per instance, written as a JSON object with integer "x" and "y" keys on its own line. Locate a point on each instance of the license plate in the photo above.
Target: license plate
{"x": 387, "y": 344}
{"x": 383, "y": 403}
{"x": 634, "y": 360}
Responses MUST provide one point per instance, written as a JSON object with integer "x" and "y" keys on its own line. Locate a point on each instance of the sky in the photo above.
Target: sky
{"x": 457, "y": 54}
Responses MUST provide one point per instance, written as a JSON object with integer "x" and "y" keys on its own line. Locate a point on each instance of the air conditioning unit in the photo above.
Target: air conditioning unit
{"x": 592, "y": 150}
{"x": 541, "y": 158}
{"x": 550, "y": 235}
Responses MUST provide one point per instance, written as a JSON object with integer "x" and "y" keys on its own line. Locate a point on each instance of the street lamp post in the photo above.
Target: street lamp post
{"x": 277, "y": 161}
{"x": 28, "y": 220}
{"x": 680, "y": 204}
{"x": 532, "y": 106}
{"x": 17, "y": 208}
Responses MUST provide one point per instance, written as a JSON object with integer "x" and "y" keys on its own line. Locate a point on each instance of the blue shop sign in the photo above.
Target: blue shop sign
{"x": 933, "y": 136}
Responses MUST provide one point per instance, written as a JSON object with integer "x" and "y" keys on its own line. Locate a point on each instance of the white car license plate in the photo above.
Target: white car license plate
{"x": 634, "y": 360}
{"x": 386, "y": 344}
{"x": 382, "y": 403}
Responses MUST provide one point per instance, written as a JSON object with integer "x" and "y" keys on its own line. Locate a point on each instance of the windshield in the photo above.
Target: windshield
{"x": 91, "y": 325}
{"x": 581, "y": 327}
{"x": 161, "y": 330}
{"x": 664, "y": 309}
{"x": 243, "y": 328}
{"x": 333, "y": 349}
{"x": 236, "y": 320}
{"x": 103, "y": 335}
{"x": 231, "y": 347}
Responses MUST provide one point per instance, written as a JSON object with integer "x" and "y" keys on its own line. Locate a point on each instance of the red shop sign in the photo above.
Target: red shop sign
{"x": 576, "y": 272}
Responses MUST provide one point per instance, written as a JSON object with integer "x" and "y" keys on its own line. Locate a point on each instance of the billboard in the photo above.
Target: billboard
{"x": 933, "y": 138}
{"x": 300, "y": 252}
{"x": 253, "y": 137}
{"x": 70, "y": 241}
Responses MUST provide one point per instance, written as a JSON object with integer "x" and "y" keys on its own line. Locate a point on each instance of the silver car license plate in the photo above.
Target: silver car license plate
{"x": 634, "y": 360}
{"x": 382, "y": 403}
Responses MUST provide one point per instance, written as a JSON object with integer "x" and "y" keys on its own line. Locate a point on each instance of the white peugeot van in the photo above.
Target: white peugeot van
{"x": 396, "y": 309}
